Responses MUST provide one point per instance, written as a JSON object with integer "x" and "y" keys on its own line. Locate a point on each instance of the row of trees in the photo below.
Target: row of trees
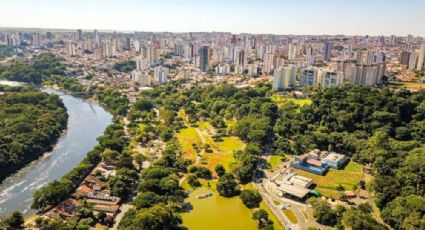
{"x": 30, "y": 123}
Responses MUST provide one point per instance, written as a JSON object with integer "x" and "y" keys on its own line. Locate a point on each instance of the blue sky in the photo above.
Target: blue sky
{"x": 351, "y": 17}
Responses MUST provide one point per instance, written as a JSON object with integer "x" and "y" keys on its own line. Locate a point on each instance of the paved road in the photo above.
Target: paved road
{"x": 123, "y": 209}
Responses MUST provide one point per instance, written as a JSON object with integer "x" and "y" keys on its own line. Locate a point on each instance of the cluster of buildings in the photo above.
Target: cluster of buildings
{"x": 93, "y": 190}
{"x": 288, "y": 183}
{"x": 413, "y": 59}
{"x": 318, "y": 162}
{"x": 286, "y": 60}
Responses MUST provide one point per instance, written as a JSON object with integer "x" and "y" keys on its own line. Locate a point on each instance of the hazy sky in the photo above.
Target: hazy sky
{"x": 373, "y": 17}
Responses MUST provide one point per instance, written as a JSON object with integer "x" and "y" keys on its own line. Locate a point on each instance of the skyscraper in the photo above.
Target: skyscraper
{"x": 327, "y": 49}
{"x": 421, "y": 57}
{"x": 292, "y": 50}
{"x": 79, "y": 35}
{"x": 204, "y": 58}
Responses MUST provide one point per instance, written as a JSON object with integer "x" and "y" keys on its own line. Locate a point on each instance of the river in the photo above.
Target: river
{"x": 87, "y": 121}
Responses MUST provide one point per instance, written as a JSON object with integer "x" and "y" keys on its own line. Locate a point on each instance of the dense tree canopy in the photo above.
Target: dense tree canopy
{"x": 30, "y": 123}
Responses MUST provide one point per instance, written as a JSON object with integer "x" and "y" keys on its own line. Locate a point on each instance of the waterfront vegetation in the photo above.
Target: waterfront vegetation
{"x": 30, "y": 123}
{"x": 336, "y": 181}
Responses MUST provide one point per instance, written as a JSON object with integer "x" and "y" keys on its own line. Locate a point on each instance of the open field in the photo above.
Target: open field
{"x": 408, "y": 85}
{"x": 281, "y": 100}
{"x": 348, "y": 177}
{"x": 186, "y": 138}
{"x": 275, "y": 161}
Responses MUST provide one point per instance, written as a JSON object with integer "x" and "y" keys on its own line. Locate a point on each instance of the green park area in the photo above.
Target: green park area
{"x": 219, "y": 151}
{"x": 329, "y": 185}
{"x": 280, "y": 100}
{"x": 275, "y": 161}
{"x": 187, "y": 137}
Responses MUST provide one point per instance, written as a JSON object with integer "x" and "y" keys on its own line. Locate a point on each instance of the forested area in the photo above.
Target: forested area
{"x": 30, "y": 123}
{"x": 376, "y": 127}
{"x": 65, "y": 83}
{"x": 35, "y": 71}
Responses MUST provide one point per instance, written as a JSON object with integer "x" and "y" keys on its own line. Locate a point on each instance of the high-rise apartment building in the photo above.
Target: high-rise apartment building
{"x": 204, "y": 55}
{"x": 284, "y": 78}
{"x": 327, "y": 50}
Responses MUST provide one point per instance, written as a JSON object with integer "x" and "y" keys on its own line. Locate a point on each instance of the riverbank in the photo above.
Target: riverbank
{"x": 87, "y": 120}
{"x": 44, "y": 115}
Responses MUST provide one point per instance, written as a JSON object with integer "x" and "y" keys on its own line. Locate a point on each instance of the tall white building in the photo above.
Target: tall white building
{"x": 284, "y": 78}
{"x": 292, "y": 51}
{"x": 331, "y": 78}
{"x": 309, "y": 77}
{"x": 268, "y": 62}
{"x": 421, "y": 57}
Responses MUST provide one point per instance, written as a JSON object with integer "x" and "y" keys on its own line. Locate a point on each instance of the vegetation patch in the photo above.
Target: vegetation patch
{"x": 291, "y": 216}
{"x": 189, "y": 139}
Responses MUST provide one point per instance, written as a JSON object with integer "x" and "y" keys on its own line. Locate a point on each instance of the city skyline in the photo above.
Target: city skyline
{"x": 312, "y": 17}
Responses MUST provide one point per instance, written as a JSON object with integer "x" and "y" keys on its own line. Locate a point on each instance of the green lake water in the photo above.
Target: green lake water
{"x": 217, "y": 212}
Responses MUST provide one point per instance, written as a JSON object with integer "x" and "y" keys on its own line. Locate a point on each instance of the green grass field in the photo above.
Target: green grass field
{"x": 349, "y": 177}
{"x": 291, "y": 216}
{"x": 275, "y": 160}
{"x": 186, "y": 138}
{"x": 281, "y": 100}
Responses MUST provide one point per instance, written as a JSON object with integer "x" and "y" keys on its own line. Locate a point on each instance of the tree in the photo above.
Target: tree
{"x": 227, "y": 185}
{"x": 193, "y": 180}
{"x": 220, "y": 170}
{"x": 158, "y": 217}
{"x": 14, "y": 221}
{"x": 359, "y": 220}
{"x": 147, "y": 200}
{"x": 251, "y": 198}
{"x": 262, "y": 217}
{"x": 323, "y": 212}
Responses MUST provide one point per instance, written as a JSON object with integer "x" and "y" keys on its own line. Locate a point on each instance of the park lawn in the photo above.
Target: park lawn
{"x": 275, "y": 161}
{"x": 186, "y": 138}
{"x": 280, "y": 100}
{"x": 348, "y": 177}
{"x": 291, "y": 216}
{"x": 213, "y": 159}
{"x": 229, "y": 144}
